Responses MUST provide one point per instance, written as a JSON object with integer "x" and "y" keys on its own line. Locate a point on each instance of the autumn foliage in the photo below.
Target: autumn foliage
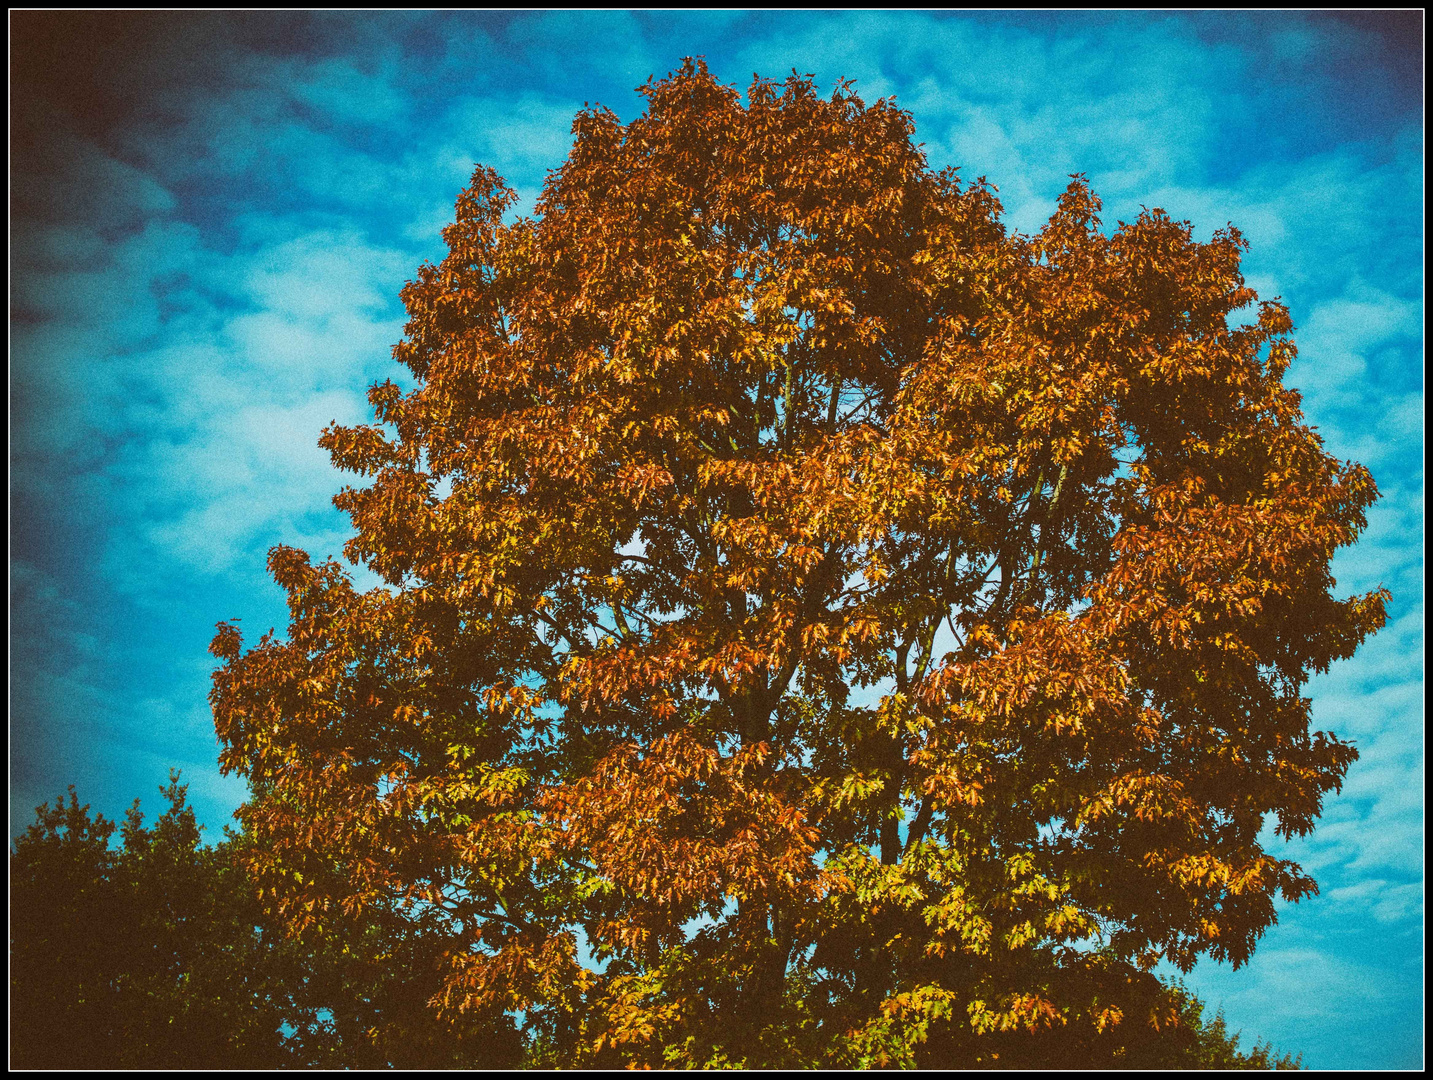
{"x": 821, "y": 625}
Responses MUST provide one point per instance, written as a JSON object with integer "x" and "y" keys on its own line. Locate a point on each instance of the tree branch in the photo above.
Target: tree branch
{"x": 921, "y": 822}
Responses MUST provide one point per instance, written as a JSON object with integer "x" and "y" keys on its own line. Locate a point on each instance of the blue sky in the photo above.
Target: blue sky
{"x": 213, "y": 215}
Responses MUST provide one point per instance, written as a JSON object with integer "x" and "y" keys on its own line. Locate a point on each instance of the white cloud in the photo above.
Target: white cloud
{"x": 338, "y": 89}
{"x": 521, "y": 138}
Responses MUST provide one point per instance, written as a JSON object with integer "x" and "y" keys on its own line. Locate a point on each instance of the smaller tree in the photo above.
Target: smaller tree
{"x": 156, "y": 953}
{"x": 146, "y": 955}
{"x": 66, "y": 939}
{"x": 1217, "y": 1049}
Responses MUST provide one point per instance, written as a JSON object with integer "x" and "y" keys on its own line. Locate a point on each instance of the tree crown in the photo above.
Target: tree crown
{"x": 839, "y": 613}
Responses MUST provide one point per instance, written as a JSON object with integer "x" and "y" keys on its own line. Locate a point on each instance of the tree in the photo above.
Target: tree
{"x": 60, "y": 980}
{"x": 141, "y": 956}
{"x": 1217, "y": 1049}
{"x": 819, "y": 623}
{"x": 157, "y": 954}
